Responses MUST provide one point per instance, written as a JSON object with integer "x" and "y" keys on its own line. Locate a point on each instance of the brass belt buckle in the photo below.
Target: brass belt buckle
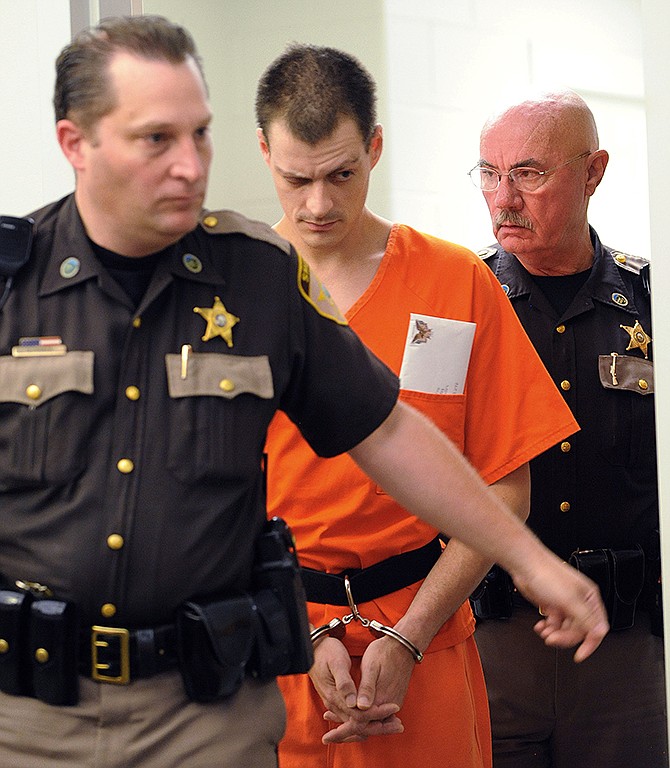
{"x": 99, "y": 669}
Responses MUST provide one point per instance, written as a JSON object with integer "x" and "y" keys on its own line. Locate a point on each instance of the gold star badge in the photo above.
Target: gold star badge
{"x": 638, "y": 338}
{"x": 220, "y": 322}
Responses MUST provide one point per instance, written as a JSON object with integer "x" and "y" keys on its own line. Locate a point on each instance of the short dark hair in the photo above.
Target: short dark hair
{"x": 312, "y": 88}
{"x": 82, "y": 90}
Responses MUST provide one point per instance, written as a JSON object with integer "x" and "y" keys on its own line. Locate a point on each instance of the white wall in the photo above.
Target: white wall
{"x": 32, "y": 32}
{"x": 656, "y": 29}
{"x": 237, "y": 40}
{"x": 440, "y": 65}
{"x": 452, "y": 63}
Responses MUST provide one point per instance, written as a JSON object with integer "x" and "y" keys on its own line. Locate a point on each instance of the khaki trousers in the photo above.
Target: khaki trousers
{"x": 147, "y": 724}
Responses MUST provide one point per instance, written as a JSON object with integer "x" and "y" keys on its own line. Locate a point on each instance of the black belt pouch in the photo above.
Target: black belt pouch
{"x": 272, "y": 652}
{"x": 492, "y": 599}
{"x": 15, "y": 672}
{"x": 54, "y": 626}
{"x": 619, "y": 573}
{"x": 215, "y": 641}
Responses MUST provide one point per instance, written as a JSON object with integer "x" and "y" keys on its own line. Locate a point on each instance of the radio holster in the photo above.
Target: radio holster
{"x": 277, "y": 571}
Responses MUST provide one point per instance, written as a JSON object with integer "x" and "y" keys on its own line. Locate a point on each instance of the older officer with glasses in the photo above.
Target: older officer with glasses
{"x": 586, "y": 308}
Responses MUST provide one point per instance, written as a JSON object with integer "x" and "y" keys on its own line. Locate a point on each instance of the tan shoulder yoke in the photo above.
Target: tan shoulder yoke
{"x": 231, "y": 222}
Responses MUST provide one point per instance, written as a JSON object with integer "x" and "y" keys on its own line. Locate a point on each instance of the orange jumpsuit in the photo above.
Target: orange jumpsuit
{"x": 508, "y": 413}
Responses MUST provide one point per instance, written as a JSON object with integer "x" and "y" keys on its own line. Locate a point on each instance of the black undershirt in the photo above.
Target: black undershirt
{"x": 560, "y": 290}
{"x": 132, "y": 273}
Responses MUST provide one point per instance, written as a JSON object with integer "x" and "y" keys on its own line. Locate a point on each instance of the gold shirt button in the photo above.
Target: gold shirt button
{"x": 137, "y": 322}
{"x": 642, "y": 384}
{"x": 132, "y": 393}
{"x": 33, "y": 391}
{"x": 115, "y": 541}
{"x": 565, "y": 385}
{"x": 560, "y": 329}
{"x": 565, "y": 446}
{"x": 565, "y": 506}
{"x": 210, "y": 221}
{"x": 125, "y": 466}
{"x": 42, "y": 655}
{"x": 108, "y": 610}
{"x": 226, "y": 385}
{"x": 4, "y": 645}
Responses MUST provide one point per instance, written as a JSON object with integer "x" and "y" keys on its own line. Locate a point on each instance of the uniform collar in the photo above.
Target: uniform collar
{"x": 71, "y": 260}
{"x": 604, "y": 284}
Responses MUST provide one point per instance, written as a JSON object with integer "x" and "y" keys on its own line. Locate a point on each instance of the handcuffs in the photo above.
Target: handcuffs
{"x": 337, "y": 628}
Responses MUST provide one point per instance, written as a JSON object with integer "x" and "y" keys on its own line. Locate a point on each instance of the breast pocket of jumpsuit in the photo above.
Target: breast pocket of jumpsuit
{"x": 447, "y": 412}
{"x": 627, "y": 408}
{"x": 219, "y": 409}
{"x": 45, "y": 418}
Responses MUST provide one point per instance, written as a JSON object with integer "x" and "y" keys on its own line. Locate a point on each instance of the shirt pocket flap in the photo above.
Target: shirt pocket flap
{"x": 36, "y": 380}
{"x": 625, "y": 372}
{"x": 218, "y": 375}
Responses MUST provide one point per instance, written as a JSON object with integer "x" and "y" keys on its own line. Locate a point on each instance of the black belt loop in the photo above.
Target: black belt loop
{"x": 378, "y": 580}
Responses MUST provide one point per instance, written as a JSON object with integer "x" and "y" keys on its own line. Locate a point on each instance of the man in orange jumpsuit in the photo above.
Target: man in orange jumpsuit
{"x": 436, "y": 315}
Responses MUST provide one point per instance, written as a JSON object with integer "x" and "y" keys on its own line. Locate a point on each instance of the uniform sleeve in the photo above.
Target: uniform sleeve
{"x": 339, "y": 391}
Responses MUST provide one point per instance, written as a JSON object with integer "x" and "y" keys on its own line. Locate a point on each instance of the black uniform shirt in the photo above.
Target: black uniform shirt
{"x": 130, "y": 472}
{"x": 597, "y": 489}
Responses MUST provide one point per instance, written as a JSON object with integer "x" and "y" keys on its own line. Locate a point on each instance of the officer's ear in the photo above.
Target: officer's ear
{"x": 72, "y": 140}
{"x": 596, "y": 170}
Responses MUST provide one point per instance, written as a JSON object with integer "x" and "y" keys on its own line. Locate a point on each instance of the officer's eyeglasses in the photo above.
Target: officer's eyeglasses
{"x": 524, "y": 179}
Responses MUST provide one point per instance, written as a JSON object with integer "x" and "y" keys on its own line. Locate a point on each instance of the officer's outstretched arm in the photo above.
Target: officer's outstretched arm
{"x": 415, "y": 463}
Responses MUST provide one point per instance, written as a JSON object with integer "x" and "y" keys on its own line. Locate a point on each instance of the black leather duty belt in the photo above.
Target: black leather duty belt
{"x": 118, "y": 655}
{"x": 378, "y": 580}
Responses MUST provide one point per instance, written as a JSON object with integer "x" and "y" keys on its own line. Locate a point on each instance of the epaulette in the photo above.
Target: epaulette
{"x": 627, "y": 261}
{"x": 231, "y": 222}
{"x": 486, "y": 253}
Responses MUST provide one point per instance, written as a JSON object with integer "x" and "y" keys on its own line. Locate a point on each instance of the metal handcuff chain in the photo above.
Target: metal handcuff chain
{"x": 337, "y": 628}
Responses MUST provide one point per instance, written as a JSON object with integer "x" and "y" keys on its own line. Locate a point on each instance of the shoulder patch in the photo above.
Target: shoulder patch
{"x": 231, "y": 222}
{"x": 315, "y": 293}
{"x": 486, "y": 252}
{"x": 627, "y": 261}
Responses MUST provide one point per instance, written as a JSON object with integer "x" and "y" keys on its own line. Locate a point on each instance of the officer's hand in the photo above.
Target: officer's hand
{"x": 570, "y": 603}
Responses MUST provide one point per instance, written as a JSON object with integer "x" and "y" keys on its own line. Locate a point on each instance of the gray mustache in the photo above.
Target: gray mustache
{"x": 513, "y": 218}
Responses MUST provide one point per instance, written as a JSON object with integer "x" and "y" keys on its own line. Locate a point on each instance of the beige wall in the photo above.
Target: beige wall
{"x": 32, "y": 32}
{"x": 238, "y": 39}
{"x": 439, "y": 64}
{"x": 656, "y": 29}
{"x": 452, "y": 63}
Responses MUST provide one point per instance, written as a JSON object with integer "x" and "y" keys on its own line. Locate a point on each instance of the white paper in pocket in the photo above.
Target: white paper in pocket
{"x": 437, "y": 354}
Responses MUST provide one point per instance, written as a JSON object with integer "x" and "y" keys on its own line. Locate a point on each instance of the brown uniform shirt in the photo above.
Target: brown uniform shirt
{"x": 130, "y": 474}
